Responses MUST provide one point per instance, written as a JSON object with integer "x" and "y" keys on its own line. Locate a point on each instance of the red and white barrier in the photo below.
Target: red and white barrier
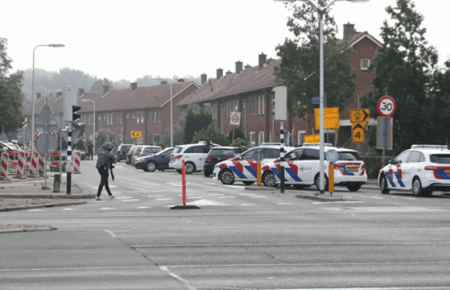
{"x": 4, "y": 160}
{"x": 12, "y": 161}
{"x": 76, "y": 161}
{"x": 34, "y": 172}
{"x": 21, "y": 164}
{"x": 41, "y": 164}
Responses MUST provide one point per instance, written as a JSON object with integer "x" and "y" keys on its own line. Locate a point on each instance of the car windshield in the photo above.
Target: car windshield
{"x": 349, "y": 156}
{"x": 216, "y": 152}
{"x": 164, "y": 151}
{"x": 440, "y": 158}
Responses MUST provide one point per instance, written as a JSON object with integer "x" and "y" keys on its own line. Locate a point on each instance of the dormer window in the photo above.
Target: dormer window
{"x": 365, "y": 63}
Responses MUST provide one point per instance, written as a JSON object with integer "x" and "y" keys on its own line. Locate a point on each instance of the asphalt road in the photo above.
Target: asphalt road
{"x": 238, "y": 239}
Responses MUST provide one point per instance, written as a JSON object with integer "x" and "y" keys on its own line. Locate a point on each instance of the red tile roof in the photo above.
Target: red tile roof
{"x": 250, "y": 79}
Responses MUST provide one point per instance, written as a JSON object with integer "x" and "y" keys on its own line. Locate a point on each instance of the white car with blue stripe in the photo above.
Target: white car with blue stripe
{"x": 421, "y": 170}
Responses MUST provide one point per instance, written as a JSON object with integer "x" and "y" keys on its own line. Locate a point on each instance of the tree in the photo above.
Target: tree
{"x": 97, "y": 86}
{"x": 11, "y": 116}
{"x": 299, "y": 69}
{"x": 194, "y": 123}
{"x": 211, "y": 134}
{"x": 404, "y": 68}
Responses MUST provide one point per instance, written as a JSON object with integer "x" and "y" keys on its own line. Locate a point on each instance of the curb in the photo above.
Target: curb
{"x": 52, "y": 196}
{"x": 41, "y": 206}
{"x": 41, "y": 229}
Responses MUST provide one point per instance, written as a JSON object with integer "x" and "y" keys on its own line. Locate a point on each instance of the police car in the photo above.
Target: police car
{"x": 302, "y": 168}
{"x": 193, "y": 155}
{"x": 244, "y": 166}
{"x": 421, "y": 169}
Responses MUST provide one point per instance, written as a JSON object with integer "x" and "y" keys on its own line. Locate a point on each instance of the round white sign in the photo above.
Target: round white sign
{"x": 235, "y": 119}
{"x": 386, "y": 106}
{"x": 332, "y": 156}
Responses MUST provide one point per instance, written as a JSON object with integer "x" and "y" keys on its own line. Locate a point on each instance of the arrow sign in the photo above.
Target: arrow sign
{"x": 136, "y": 134}
{"x": 366, "y": 115}
{"x": 358, "y": 132}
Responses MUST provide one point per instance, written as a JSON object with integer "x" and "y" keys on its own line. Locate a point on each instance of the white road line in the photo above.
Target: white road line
{"x": 35, "y": 210}
{"x": 377, "y": 197}
{"x": 182, "y": 281}
{"x": 123, "y": 197}
{"x": 69, "y": 208}
{"x": 284, "y": 203}
{"x": 227, "y": 196}
{"x": 106, "y": 208}
{"x": 258, "y": 196}
{"x": 248, "y": 204}
{"x": 142, "y": 207}
{"x": 210, "y": 183}
{"x": 247, "y": 194}
{"x": 167, "y": 198}
{"x": 216, "y": 194}
{"x": 155, "y": 195}
{"x": 332, "y": 202}
{"x": 130, "y": 200}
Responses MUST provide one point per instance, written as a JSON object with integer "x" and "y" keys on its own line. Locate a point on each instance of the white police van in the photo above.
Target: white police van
{"x": 421, "y": 169}
{"x": 302, "y": 168}
{"x": 244, "y": 166}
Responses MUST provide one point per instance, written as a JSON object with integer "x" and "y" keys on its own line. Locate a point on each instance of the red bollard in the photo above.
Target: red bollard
{"x": 183, "y": 181}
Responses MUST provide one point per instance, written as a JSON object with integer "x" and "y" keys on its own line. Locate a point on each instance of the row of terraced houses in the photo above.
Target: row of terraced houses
{"x": 247, "y": 90}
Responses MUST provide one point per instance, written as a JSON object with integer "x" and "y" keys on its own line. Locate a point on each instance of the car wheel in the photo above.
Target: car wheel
{"x": 383, "y": 185}
{"x": 151, "y": 166}
{"x": 269, "y": 179}
{"x": 248, "y": 182}
{"x": 417, "y": 188}
{"x": 226, "y": 176}
{"x": 317, "y": 182}
{"x": 189, "y": 168}
{"x": 207, "y": 173}
{"x": 179, "y": 171}
{"x": 353, "y": 187}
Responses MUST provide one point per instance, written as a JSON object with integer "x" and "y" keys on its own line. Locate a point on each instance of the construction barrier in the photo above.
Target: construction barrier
{"x": 41, "y": 164}
{"x": 76, "y": 161}
{"x": 12, "y": 160}
{"x": 34, "y": 164}
{"x": 4, "y": 165}
{"x": 21, "y": 164}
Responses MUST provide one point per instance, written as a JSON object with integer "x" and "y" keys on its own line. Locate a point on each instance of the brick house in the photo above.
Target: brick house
{"x": 248, "y": 90}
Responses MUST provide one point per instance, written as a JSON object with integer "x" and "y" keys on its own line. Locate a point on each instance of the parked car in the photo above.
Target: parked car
{"x": 421, "y": 169}
{"x": 218, "y": 154}
{"x": 129, "y": 154}
{"x": 157, "y": 161}
{"x": 302, "y": 168}
{"x": 193, "y": 154}
{"x": 121, "y": 153}
{"x": 244, "y": 167}
{"x": 143, "y": 150}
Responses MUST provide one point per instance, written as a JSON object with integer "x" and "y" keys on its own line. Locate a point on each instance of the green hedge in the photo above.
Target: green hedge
{"x": 374, "y": 163}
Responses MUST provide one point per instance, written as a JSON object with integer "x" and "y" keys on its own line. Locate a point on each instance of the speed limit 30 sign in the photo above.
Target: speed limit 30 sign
{"x": 386, "y": 106}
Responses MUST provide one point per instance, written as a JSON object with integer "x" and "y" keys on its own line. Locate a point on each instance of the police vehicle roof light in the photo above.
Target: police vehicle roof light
{"x": 425, "y": 146}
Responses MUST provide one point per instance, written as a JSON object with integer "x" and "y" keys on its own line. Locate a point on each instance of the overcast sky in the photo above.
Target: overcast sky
{"x": 128, "y": 39}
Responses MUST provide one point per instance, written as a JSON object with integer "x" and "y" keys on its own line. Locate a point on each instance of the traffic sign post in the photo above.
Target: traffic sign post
{"x": 136, "y": 134}
{"x": 386, "y": 107}
{"x": 331, "y": 118}
{"x": 312, "y": 138}
{"x": 359, "y": 132}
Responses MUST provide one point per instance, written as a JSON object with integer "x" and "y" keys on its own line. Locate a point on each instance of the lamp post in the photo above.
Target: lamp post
{"x": 321, "y": 12}
{"x": 32, "y": 94}
{"x": 93, "y": 102}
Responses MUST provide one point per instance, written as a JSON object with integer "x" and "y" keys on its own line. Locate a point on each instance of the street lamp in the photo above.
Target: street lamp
{"x": 93, "y": 102}
{"x": 321, "y": 12}
{"x": 32, "y": 94}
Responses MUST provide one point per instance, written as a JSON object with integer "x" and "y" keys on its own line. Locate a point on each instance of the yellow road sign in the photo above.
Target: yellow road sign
{"x": 358, "y": 132}
{"x": 312, "y": 138}
{"x": 136, "y": 134}
{"x": 360, "y": 115}
{"x": 330, "y": 118}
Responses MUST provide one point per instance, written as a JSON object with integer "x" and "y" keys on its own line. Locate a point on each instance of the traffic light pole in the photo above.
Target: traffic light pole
{"x": 69, "y": 158}
{"x": 282, "y": 156}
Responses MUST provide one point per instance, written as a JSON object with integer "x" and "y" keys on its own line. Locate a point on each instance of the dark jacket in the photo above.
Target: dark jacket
{"x": 105, "y": 156}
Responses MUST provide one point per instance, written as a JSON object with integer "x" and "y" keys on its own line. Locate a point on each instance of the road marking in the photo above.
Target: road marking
{"x": 130, "y": 200}
{"x": 377, "y": 197}
{"x": 210, "y": 183}
{"x": 258, "y": 196}
{"x": 395, "y": 209}
{"x": 182, "y": 281}
{"x": 69, "y": 208}
{"x": 174, "y": 184}
{"x": 331, "y": 202}
{"x": 155, "y": 195}
{"x": 248, "y": 204}
{"x": 123, "y": 197}
{"x": 106, "y": 208}
{"x": 246, "y": 194}
{"x": 284, "y": 203}
{"x": 35, "y": 210}
{"x": 204, "y": 202}
{"x": 142, "y": 207}
{"x": 216, "y": 194}
{"x": 111, "y": 186}
{"x": 227, "y": 196}
{"x": 167, "y": 198}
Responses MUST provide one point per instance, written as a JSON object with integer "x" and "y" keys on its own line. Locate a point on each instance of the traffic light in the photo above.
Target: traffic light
{"x": 279, "y": 101}
{"x": 74, "y": 115}
{"x": 272, "y": 101}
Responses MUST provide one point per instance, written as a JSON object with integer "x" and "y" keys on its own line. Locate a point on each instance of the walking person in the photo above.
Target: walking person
{"x": 90, "y": 151}
{"x": 105, "y": 163}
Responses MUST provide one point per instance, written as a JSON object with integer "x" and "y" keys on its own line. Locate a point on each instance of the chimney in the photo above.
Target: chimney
{"x": 203, "y": 77}
{"x": 219, "y": 73}
{"x": 80, "y": 92}
{"x": 38, "y": 96}
{"x": 229, "y": 72}
{"x": 105, "y": 89}
{"x": 238, "y": 67}
{"x": 181, "y": 80}
{"x": 58, "y": 95}
{"x": 133, "y": 86}
{"x": 262, "y": 60}
{"x": 248, "y": 66}
{"x": 163, "y": 82}
{"x": 349, "y": 31}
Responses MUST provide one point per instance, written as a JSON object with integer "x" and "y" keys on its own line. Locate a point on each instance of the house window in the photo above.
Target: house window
{"x": 301, "y": 137}
{"x": 150, "y": 115}
{"x": 89, "y": 119}
{"x": 159, "y": 117}
{"x": 156, "y": 139}
{"x": 134, "y": 115}
{"x": 261, "y": 137}
{"x": 142, "y": 117}
{"x": 154, "y": 117}
{"x": 252, "y": 139}
{"x": 263, "y": 104}
{"x": 128, "y": 115}
{"x": 365, "y": 63}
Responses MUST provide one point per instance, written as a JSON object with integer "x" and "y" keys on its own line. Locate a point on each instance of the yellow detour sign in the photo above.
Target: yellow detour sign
{"x": 360, "y": 115}
{"x": 136, "y": 134}
{"x": 330, "y": 118}
{"x": 359, "y": 132}
{"x": 312, "y": 138}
